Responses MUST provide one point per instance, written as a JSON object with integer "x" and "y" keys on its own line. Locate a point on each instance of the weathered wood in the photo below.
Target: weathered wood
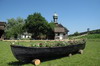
{"x": 27, "y": 54}
{"x": 70, "y": 55}
{"x": 2, "y": 28}
{"x": 36, "y": 61}
{"x": 81, "y": 51}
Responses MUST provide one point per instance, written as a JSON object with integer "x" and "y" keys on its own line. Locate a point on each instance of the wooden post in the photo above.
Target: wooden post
{"x": 81, "y": 51}
{"x": 36, "y": 61}
{"x": 70, "y": 55}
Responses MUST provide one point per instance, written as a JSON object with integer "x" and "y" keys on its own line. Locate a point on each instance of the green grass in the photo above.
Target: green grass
{"x": 91, "y": 36}
{"x": 90, "y": 57}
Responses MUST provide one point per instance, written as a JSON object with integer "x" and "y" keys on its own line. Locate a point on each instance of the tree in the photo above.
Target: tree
{"x": 50, "y": 33}
{"x": 14, "y": 27}
{"x": 37, "y": 25}
{"x": 76, "y": 34}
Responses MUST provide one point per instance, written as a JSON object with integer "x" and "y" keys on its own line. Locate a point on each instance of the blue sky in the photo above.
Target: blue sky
{"x": 76, "y": 15}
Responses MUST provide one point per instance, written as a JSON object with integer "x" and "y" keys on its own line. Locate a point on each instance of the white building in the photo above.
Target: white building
{"x": 60, "y": 31}
{"x": 26, "y": 35}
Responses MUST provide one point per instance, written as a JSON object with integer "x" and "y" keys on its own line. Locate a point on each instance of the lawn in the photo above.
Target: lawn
{"x": 90, "y": 57}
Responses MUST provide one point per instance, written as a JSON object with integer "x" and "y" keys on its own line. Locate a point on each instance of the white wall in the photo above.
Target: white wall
{"x": 61, "y": 36}
{"x": 25, "y": 36}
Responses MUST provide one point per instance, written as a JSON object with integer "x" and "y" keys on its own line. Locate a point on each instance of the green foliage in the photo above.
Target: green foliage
{"x": 91, "y": 36}
{"x": 95, "y": 31}
{"x": 50, "y": 33}
{"x": 76, "y": 34}
{"x": 52, "y": 43}
{"x": 52, "y": 25}
{"x": 14, "y": 27}
{"x": 37, "y": 25}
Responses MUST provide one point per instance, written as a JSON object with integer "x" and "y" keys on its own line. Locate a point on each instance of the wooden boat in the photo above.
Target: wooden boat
{"x": 27, "y": 54}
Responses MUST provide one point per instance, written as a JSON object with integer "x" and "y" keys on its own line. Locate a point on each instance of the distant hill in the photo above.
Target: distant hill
{"x": 97, "y": 31}
{"x": 91, "y": 36}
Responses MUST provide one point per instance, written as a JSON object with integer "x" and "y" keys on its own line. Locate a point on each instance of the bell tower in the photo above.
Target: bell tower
{"x": 55, "y": 18}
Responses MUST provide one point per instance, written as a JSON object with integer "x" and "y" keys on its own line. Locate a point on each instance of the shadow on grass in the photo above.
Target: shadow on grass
{"x": 17, "y": 63}
{"x": 57, "y": 57}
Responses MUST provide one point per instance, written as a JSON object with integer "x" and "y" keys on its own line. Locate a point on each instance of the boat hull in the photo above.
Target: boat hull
{"x": 27, "y": 54}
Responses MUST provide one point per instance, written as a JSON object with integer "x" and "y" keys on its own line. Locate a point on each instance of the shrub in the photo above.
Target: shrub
{"x": 52, "y": 43}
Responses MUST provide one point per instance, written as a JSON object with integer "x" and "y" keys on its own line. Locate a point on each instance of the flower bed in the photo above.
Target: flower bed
{"x": 50, "y": 43}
